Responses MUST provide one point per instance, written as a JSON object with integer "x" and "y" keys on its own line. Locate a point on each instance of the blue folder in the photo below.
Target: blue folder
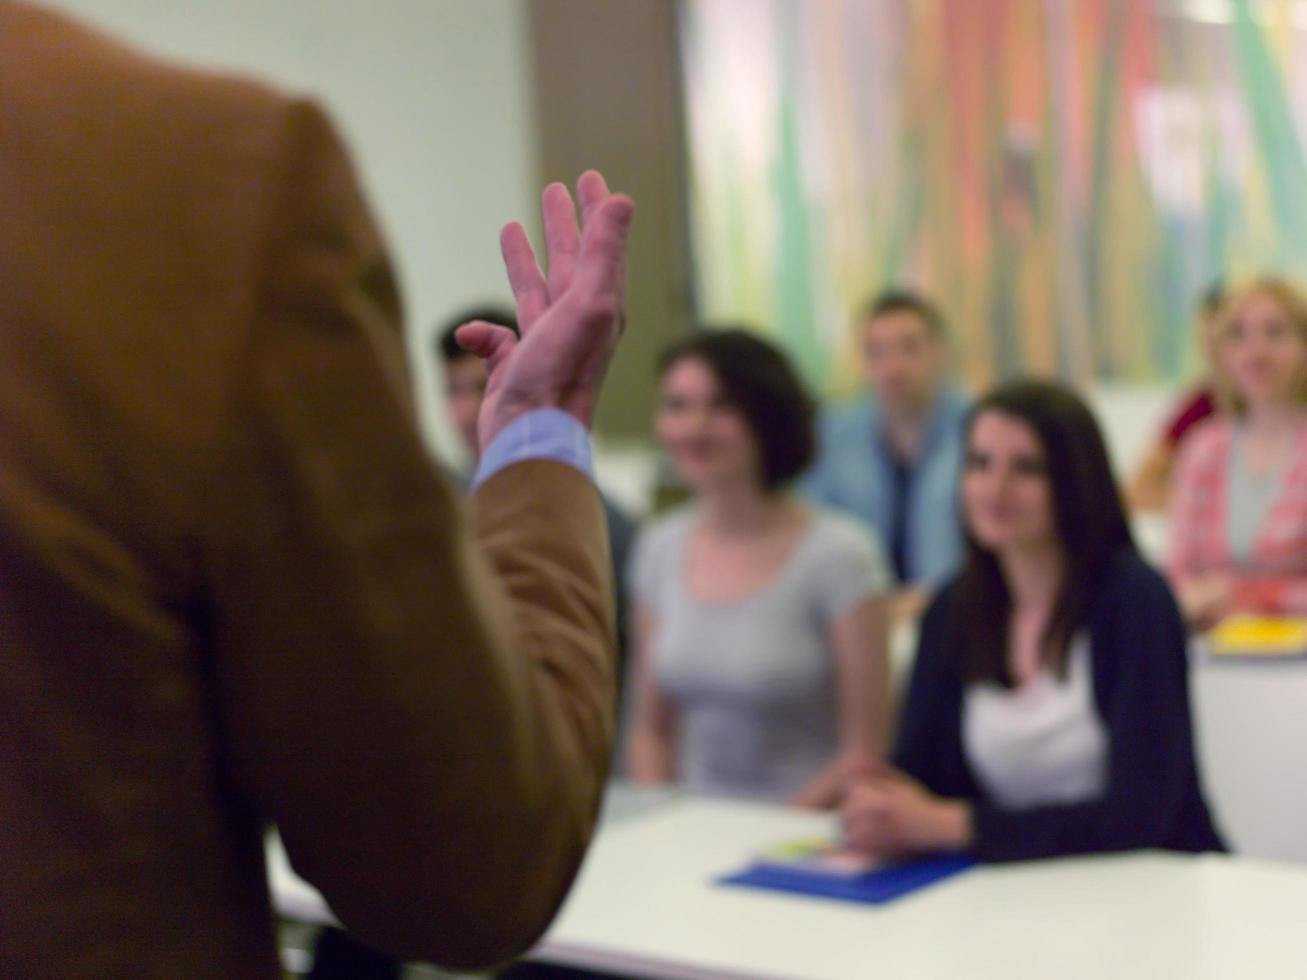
{"x": 872, "y": 888}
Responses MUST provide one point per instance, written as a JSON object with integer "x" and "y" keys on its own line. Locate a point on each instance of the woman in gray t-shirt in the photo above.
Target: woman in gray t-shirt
{"x": 760, "y": 663}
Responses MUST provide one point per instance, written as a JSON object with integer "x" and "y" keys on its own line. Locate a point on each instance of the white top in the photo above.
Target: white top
{"x": 753, "y": 680}
{"x": 1042, "y": 743}
{"x": 1249, "y": 498}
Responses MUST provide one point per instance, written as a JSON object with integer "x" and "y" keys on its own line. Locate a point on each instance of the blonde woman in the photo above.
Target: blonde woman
{"x": 1239, "y": 500}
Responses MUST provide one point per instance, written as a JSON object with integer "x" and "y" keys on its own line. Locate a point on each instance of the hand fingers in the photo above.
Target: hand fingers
{"x": 878, "y": 805}
{"x": 490, "y": 341}
{"x": 600, "y": 267}
{"x": 869, "y": 836}
{"x": 562, "y": 237}
{"x": 524, "y": 276}
{"x": 855, "y": 791}
{"x": 889, "y": 779}
{"x": 870, "y": 769}
{"x": 591, "y": 190}
{"x": 865, "y": 801}
{"x": 874, "y": 788}
{"x": 857, "y": 839}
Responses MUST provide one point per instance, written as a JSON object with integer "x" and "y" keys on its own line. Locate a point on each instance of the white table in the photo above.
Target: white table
{"x": 645, "y": 904}
{"x": 1250, "y": 721}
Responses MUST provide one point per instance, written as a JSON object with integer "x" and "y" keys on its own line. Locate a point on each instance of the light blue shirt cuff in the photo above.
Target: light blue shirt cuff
{"x": 544, "y": 433}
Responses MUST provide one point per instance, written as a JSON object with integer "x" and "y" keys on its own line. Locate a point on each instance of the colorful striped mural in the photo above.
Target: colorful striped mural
{"x": 1064, "y": 176}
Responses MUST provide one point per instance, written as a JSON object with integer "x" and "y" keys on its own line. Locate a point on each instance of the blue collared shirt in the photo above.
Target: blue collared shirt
{"x": 854, "y": 472}
{"x": 543, "y": 433}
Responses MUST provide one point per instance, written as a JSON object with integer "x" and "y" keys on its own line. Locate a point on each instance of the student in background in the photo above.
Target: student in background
{"x": 1239, "y": 504}
{"x": 892, "y": 456}
{"x": 1150, "y": 487}
{"x": 465, "y": 381}
{"x": 1048, "y": 709}
{"x": 761, "y": 652}
{"x": 465, "y": 388}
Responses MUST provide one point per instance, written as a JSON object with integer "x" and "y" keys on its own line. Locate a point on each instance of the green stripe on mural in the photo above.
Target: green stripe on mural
{"x": 1079, "y": 233}
{"x": 1105, "y": 89}
{"x": 1272, "y": 120}
{"x": 794, "y": 298}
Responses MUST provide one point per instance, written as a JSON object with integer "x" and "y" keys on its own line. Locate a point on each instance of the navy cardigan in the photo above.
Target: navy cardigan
{"x": 1140, "y": 673}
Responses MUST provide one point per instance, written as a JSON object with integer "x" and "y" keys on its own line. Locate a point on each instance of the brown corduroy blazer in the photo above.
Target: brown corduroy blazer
{"x": 233, "y": 589}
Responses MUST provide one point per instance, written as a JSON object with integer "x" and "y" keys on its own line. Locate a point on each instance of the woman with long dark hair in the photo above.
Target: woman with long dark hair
{"x": 1239, "y": 506}
{"x": 1048, "y": 710}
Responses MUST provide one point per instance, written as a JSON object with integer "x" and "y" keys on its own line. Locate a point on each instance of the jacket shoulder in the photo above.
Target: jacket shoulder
{"x": 86, "y": 84}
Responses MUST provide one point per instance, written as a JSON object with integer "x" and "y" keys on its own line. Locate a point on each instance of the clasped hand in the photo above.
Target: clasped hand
{"x": 887, "y": 813}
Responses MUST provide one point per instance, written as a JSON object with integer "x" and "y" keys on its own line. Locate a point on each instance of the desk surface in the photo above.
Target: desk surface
{"x": 646, "y": 904}
{"x": 1248, "y": 722}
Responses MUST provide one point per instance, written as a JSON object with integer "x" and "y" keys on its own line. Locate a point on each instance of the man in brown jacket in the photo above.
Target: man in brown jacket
{"x": 232, "y": 588}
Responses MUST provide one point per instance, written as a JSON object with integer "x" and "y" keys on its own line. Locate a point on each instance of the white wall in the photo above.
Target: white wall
{"x": 433, "y": 97}
{"x": 1131, "y": 416}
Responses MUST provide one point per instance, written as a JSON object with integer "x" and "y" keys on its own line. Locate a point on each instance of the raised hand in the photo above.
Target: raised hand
{"x": 570, "y": 320}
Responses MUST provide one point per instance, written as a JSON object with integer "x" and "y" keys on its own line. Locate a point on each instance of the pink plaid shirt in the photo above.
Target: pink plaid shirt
{"x": 1200, "y": 538}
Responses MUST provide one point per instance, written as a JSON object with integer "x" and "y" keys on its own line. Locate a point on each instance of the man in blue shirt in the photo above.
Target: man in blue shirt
{"x": 892, "y": 456}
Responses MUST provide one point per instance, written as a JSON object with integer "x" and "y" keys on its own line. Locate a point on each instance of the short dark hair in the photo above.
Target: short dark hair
{"x": 905, "y": 301}
{"x": 757, "y": 379}
{"x": 448, "y": 349}
{"x": 1088, "y": 514}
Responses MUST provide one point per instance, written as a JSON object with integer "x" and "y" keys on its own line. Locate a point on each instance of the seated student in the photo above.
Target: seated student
{"x": 761, "y": 665}
{"x": 465, "y": 382}
{"x": 1239, "y": 503}
{"x": 1048, "y": 710}
{"x": 892, "y": 456}
{"x": 1150, "y": 487}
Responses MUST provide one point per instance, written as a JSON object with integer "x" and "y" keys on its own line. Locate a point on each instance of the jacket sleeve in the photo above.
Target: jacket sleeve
{"x": 421, "y": 701}
{"x": 927, "y": 745}
{"x": 1150, "y": 754}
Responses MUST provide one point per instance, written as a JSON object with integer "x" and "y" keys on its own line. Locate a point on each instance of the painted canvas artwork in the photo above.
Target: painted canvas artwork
{"x": 1065, "y": 177}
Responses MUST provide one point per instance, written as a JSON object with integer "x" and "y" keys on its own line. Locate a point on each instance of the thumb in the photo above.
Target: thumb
{"x": 489, "y": 341}
{"x": 868, "y": 769}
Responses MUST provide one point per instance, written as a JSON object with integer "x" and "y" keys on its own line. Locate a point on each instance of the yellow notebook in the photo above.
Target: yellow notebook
{"x": 1259, "y": 636}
